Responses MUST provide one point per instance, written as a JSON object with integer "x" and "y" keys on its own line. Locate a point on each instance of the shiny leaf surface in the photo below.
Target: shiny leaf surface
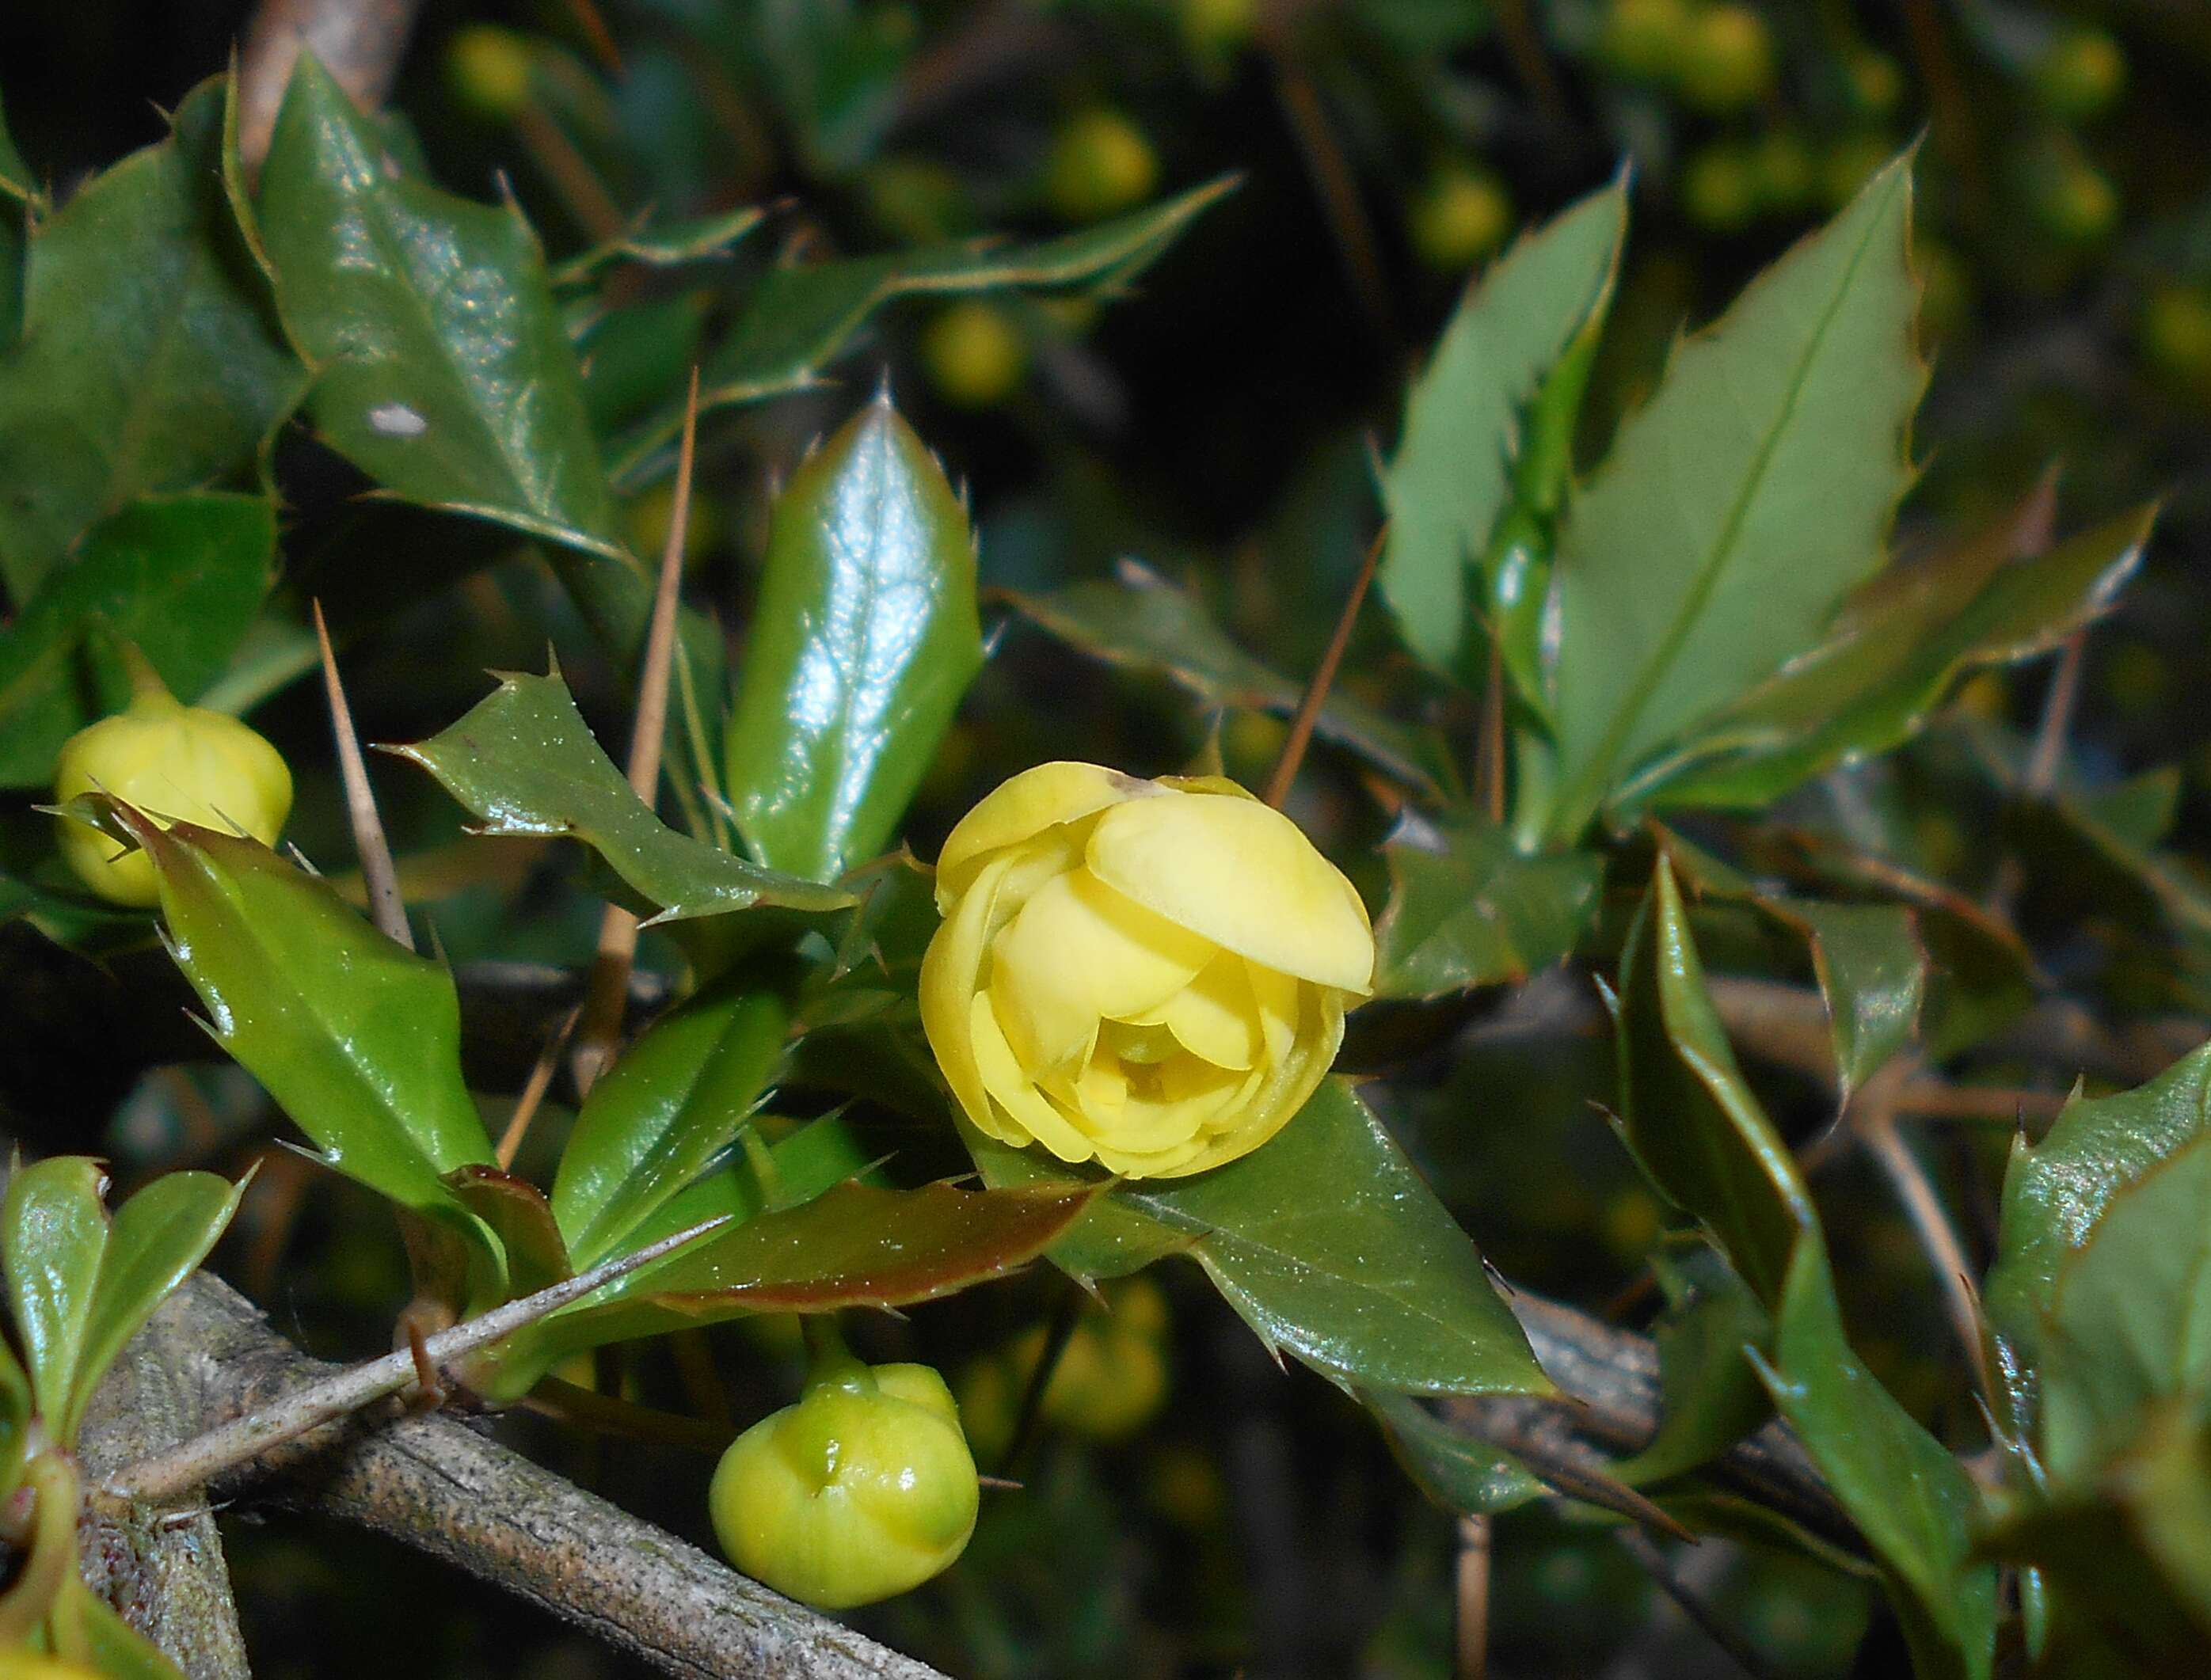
{"x": 673, "y": 1102}
{"x": 864, "y": 641}
{"x": 178, "y": 578}
{"x": 1144, "y": 623}
{"x": 53, "y": 1234}
{"x": 515, "y": 1211}
{"x": 523, "y": 763}
{"x": 1478, "y": 912}
{"x": 1743, "y": 502}
{"x": 1686, "y": 1111}
{"x": 1710, "y": 1395}
{"x": 149, "y": 360}
{"x": 1370, "y": 1280}
{"x": 1449, "y": 479}
{"x": 442, "y": 369}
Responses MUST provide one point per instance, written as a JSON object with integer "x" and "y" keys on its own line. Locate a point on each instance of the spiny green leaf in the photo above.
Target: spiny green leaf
{"x": 1372, "y": 1283}
{"x": 356, "y": 1038}
{"x": 1146, "y": 624}
{"x": 2056, "y": 1190}
{"x": 516, "y": 1214}
{"x": 1478, "y": 911}
{"x": 1451, "y": 477}
{"x": 442, "y": 369}
{"x": 864, "y": 639}
{"x": 800, "y": 317}
{"x": 1710, "y": 1394}
{"x": 665, "y": 244}
{"x": 178, "y": 578}
{"x": 523, "y": 761}
{"x": 150, "y": 361}
{"x": 1686, "y": 1111}
{"x": 1891, "y": 657}
{"x": 1743, "y": 503}
{"x": 1457, "y": 1471}
{"x": 1913, "y": 1501}
{"x": 673, "y": 1102}
{"x": 53, "y": 1234}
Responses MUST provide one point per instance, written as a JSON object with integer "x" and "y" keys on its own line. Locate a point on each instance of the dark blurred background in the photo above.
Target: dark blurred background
{"x": 1218, "y": 424}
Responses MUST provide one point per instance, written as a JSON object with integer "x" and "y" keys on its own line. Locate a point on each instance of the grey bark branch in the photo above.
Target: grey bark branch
{"x": 434, "y": 1484}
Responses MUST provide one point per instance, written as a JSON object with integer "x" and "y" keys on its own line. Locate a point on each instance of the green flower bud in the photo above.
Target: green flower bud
{"x": 1099, "y": 165}
{"x": 488, "y": 67}
{"x": 1461, "y": 215}
{"x": 176, "y": 764}
{"x": 863, "y": 1489}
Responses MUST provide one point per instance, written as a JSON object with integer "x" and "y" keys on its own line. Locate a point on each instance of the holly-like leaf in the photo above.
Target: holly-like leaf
{"x": 2130, "y": 1317}
{"x": 441, "y": 366}
{"x": 1912, "y": 1500}
{"x": 1687, "y": 1113}
{"x": 664, "y": 244}
{"x": 802, "y": 316}
{"x": 1457, "y": 1471}
{"x": 148, "y": 361}
{"x": 674, "y": 1101}
{"x": 523, "y": 761}
{"x": 356, "y": 1038}
{"x": 1892, "y": 654}
{"x": 80, "y": 1286}
{"x": 856, "y": 1245}
{"x": 178, "y": 578}
{"x": 1451, "y": 477}
{"x": 1478, "y": 911}
{"x": 1710, "y": 1395}
{"x": 515, "y": 1211}
{"x": 1373, "y": 1283}
{"x": 1144, "y": 623}
{"x": 1743, "y": 503}
{"x": 864, "y": 639}
{"x": 2056, "y": 1190}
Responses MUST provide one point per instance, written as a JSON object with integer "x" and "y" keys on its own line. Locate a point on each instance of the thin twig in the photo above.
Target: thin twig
{"x": 569, "y": 174}
{"x": 1664, "y": 1575}
{"x": 199, "y": 1460}
{"x": 599, "y": 1027}
{"x": 385, "y": 907}
{"x": 2056, "y": 725}
{"x": 1323, "y": 678}
{"x": 1337, "y": 188}
{"x": 1472, "y": 1598}
{"x": 533, "y": 1092}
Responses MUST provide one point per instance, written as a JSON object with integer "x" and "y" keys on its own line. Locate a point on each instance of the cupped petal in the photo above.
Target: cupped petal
{"x": 1022, "y": 808}
{"x": 1215, "y": 1016}
{"x": 1243, "y": 875}
{"x": 1076, "y": 952}
{"x": 1275, "y": 996}
{"x": 1029, "y": 1109}
{"x": 951, "y": 973}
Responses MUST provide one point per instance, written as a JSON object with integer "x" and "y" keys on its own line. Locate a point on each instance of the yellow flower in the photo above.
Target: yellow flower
{"x": 176, "y": 764}
{"x": 1149, "y": 975}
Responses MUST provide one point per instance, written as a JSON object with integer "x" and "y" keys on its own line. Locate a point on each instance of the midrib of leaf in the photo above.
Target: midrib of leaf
{"x": 882, "y": 446}
{"x": 1575, "y": 806}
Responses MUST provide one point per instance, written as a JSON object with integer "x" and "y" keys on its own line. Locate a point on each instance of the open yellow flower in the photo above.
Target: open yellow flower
{"x": 1149, "y": 975}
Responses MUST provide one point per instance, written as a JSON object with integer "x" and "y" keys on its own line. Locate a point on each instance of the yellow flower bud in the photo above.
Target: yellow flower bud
{"x": 1099, "y": 165}
{"x": 1149, "y": 975}
{"x": 863, "y": 1489}
{"x": 176, "y": 764}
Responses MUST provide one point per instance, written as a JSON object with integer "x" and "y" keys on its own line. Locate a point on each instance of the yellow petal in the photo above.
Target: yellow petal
{"x": 1028, "y": 1108}
{"x": 1079, "y": 951}
{"x": 951, "y": 970}
{"x": 1243, "y": 876}
{"x": 1024, "y": 806}
{"x": 1215, "y": 1016}
{"x": 1276, "y": 996}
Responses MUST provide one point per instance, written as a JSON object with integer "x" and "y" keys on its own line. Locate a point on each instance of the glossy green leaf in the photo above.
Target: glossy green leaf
{"x": 664, "y": 244}
{"x": 1686, "y": 1111}
{"x": 516, "y": 1212}
{"x": 356, "y": 1038}
{"x": 1372, "y": 1282}
{"x": 1892, "y": 654}
{"x": 800, "y": 316}
{"x": 53, "y": 1236}
{"x": 856, "y": 1245}
{"x": 1144, "y": 623}
{"x": 864, "y": 639}
{"x": 2055, "y": 1191}
{"x": 1743, "y": 503}
{"x": 1478, "y": 911}
{"x": 149, "y": 360}
{"x": 1457, "y": 1471}
{"x": 523, "y": 761}
{"x": 2129, "y": 1317}
{"x": 674, "y": 1101}
{"x": 442, "y": 368}
{"x": 1909, "y": 1497}
{"x": 178, "y": 578}
{"x": 803, "y": 1163}
{"x": 1449, "y": 480}
{"x": 1710, "y": 1394}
